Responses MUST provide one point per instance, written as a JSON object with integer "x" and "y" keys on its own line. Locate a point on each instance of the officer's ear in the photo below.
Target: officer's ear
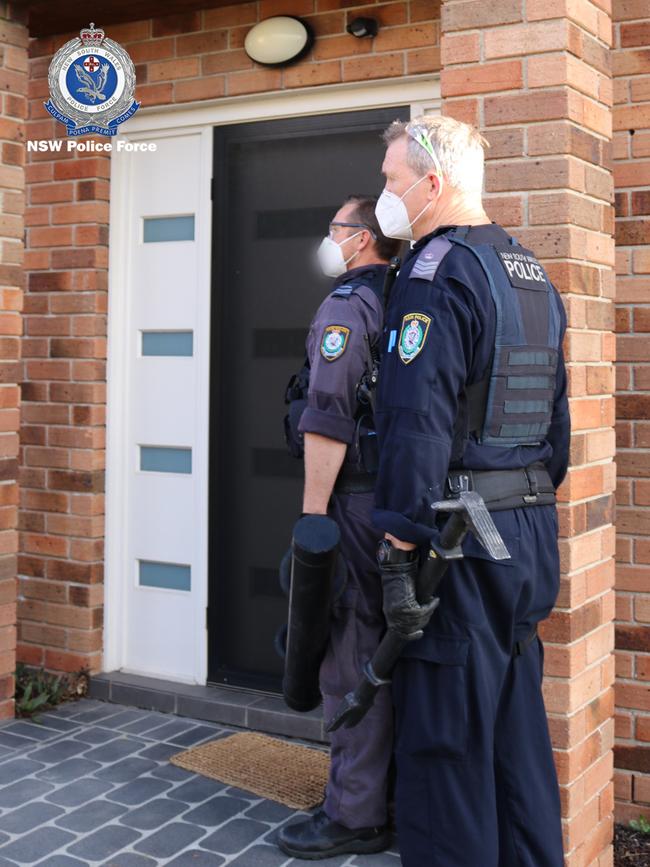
{"x": 437, "y": 184}
{"x": 365, "y": 239}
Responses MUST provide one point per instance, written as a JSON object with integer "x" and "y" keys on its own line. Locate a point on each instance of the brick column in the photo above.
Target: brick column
{"x": 13, "y": 87}
{"x": 534, "y": 75}
{"x": 64, "y": 395}
{"x": 631, "y": 63}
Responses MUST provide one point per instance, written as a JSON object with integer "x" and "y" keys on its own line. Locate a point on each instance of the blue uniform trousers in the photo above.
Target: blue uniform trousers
{"x": 356, "y": 789}
{"x": 476, "y": 782}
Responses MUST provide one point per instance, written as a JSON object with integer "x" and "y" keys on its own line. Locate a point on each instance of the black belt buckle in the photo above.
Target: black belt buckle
{"x": 533, "y": 487}
{"x": 458, "y": 484}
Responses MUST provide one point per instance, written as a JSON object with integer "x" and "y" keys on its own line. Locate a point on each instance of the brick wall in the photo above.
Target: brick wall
{"x": 180, "y": 58}
{"x": 534, "y": 75}
{"x": 13, "y": 110}
{"x": 631, "y": 62}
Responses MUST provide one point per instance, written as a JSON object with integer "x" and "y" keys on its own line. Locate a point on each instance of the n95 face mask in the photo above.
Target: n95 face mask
{"x": 392, "y": 216}
{"x": 330, "y": 256}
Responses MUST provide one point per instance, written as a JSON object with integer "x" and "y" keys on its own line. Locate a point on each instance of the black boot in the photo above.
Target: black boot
{"x": 319, "y": 837}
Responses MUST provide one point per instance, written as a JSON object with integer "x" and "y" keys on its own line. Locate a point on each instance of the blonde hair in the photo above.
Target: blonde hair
{"x": 458, "y": 147}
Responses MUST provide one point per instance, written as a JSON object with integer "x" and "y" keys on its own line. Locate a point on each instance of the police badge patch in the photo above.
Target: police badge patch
{"x": 415, "y": 327}
{"x": 92, "y": 82}
{"x": 334, "y": 342}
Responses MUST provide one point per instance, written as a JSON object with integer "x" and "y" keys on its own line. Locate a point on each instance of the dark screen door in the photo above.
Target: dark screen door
{"x": 276, "y": 185}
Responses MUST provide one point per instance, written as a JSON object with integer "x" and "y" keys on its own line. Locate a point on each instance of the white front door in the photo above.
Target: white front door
{"x": 157, "y": 407}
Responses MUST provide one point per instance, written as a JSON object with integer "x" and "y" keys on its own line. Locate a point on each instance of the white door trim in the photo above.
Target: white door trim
{"x": 422, "y": 93}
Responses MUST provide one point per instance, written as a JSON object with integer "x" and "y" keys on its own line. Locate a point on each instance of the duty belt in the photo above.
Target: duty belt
{"x": 505, "y": 489}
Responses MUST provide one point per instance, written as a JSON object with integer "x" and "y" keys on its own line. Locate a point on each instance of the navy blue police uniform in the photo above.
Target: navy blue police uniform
{"x": 341, "y": 355}
{"x": 472, "y": 395}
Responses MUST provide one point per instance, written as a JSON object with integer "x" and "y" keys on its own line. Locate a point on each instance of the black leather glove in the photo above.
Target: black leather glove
{"x": 399, "y": 572}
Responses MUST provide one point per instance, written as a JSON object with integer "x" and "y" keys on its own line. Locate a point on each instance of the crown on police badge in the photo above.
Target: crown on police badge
{"x": 90, "y": 37}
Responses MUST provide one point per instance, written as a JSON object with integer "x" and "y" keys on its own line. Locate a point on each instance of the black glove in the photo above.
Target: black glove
{"x": 399, "y": 572}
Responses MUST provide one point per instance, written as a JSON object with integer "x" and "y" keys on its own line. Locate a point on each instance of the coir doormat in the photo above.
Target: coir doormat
{"x": 288, "y": 773}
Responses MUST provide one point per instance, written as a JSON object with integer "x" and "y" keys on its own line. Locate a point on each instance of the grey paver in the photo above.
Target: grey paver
{"x": 150, "y": 720}
{"x": 61, "y": 861}
{"x": 130, "y": 859}
{"x": 173, "y": 773}
{"x": 59, "y": 751}
{"x": 195, "y": 735}
{"x": 23, "y": 791}
{"x": 115, "y": 750}
{"x": 261, "y": 856}
{"x": 216, "y": 811}
{"x": 100, "y": 713}
{"x": 91, "y": 816}
{"x": 103, "y": 843}
{"x": 79, "y": 792}
{"x": 28, "y": 816}
{"x": 169, "y": 730}
{"x": 154, "y": 814}
{"x": 170, "y": 840}
{"x": 96, "y": 735}
{"x": 127, "y": 769}
{"x": 123, "y": 718}
{"x": 160, "y": 752}
{"x": 17, "y": 769}
{"x": 242, "y": 793}
{"x": 199, "y": 858}
{"x": 55, "y": 721}
{"x": 65, "y": 772}
{"x": 32, "y": 731}
{"x": 269, "y": 811}
{"x": 198, "y": 789}
{"x": 35, "y": 845}
{"x": 95, "y": 786}
{"x": 137, "y": 791}
{"x": 14, "y": 742}
{"x": 234, "y": 836}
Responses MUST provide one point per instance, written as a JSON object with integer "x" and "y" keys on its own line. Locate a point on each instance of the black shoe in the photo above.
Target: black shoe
{"x": 319, "y": 837}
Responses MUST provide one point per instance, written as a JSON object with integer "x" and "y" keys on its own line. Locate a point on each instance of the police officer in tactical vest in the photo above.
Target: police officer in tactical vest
{"x": 472, "y": 397}
{"x": 331, "y": 416}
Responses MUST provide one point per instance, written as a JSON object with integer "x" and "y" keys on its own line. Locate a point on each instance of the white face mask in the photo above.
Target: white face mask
{"x": 330, "y": 256}
{"x": 392, "y": 216}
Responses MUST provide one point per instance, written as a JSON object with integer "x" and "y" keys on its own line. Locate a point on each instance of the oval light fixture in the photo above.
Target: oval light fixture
{"x": 279, "y": 40}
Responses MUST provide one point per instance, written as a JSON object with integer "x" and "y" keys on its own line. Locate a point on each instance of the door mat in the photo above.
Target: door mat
{"x": 290, "y": 774}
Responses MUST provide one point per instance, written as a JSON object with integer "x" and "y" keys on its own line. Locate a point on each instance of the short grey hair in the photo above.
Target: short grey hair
{"x": 458, "y": 146}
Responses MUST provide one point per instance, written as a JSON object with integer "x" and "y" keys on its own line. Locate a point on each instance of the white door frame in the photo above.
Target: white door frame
{"x": 422, "y": 93}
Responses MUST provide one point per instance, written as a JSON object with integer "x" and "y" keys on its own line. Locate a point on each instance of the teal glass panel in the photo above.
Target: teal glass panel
{"x": 168, "y": 229}
{"x": 161, "y": 459}
{"x": 167, "y": 342}
{"x": 169, "y": 576}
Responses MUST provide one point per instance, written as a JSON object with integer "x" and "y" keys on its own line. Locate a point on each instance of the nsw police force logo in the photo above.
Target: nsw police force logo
{"x": 335, "y": 339}
{"x": 92, "y": 82}
{"x": 415, "y": 327}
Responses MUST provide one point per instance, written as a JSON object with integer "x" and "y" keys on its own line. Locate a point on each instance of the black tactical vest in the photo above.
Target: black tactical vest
{"x": 513, "y": 404}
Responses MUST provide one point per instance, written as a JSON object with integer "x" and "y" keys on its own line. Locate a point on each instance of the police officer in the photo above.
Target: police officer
{"x": 472, "y": 396}
{"x": 340, "y": 465}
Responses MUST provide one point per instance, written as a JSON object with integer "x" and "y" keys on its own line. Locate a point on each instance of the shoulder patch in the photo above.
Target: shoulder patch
{"x": 334, "y": 342}
{"x": 415, "y": 327}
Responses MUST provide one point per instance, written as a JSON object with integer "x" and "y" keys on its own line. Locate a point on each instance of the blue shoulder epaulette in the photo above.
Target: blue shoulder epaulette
{"x": 430, "y": 258}
{"x": 343, "y": 291}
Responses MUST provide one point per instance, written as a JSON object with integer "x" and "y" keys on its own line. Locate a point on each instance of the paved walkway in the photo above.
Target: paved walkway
{"x": 92, "y": 785}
